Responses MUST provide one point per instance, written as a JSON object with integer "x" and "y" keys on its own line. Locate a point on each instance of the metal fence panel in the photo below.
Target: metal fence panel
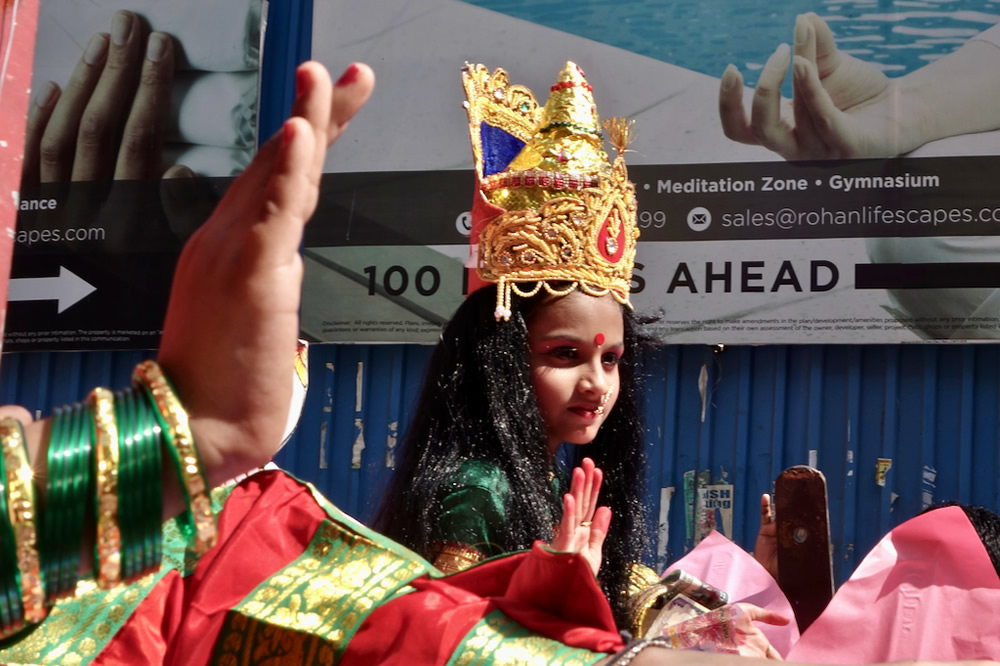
{"x": 720, "y": 427}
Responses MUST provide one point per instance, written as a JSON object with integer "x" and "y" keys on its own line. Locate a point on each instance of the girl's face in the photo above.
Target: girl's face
{"x": 575, "y": 343}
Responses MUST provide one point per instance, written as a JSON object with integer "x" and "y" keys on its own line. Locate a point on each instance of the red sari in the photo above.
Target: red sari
{"x": 294, "y": 580}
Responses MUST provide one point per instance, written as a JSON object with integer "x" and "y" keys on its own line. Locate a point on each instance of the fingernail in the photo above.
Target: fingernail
{"x": 287, "y": 133}
{"x": 801, "y": 30}
{"x": 121, "y": 28}
{"x": 97, "y": 49}
{"x": 179, "y": 171}
{"x": 349, "y": 76}
{"x": 728, "y": 77}
{"x": 779, "y": 57}
{"x": 46, "y": 94}
{"x": 157, "y": 47}
{"x": 300, "y": 81}
{"x": 800, "y": 69}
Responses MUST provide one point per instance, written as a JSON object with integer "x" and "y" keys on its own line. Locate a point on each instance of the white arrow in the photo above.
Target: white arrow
{"x": 68, "y": 288}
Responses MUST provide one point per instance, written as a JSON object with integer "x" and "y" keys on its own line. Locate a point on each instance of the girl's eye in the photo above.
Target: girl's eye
{"x": 611, "y": 359}
{"x": 563, "y": 353}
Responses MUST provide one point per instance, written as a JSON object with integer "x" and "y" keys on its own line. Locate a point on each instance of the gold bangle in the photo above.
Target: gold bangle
{"x": 453, "y": 557}
{"x": 643, "y": 607}
{"x": 109, "y": 537}
{"x": 21, "y": 510}
{"x": 177, "y": 427}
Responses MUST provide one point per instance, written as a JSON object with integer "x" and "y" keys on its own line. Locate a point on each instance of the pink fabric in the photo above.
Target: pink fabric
{"x": 720, "y": 562}
{"x": 927, "y": 591}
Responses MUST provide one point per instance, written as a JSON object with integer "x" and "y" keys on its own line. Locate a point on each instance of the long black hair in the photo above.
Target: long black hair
{"x": 477, "y": 403}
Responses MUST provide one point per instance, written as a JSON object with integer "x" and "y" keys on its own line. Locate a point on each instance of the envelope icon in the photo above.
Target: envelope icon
{"x": 699, "y": 218}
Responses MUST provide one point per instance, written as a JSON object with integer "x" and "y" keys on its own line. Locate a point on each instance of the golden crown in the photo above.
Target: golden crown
{"x": 550, "y": 206}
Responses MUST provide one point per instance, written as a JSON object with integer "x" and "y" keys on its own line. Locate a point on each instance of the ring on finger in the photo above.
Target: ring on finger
{"x": 586, "y": 523}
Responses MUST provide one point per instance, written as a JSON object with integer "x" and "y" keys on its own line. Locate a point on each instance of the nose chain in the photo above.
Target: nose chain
{"x": 604, "y": 400}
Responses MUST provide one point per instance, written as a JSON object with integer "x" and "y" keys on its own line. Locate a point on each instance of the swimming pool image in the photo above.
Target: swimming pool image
{"x": 705, "y": 36}
{"x": 656, "y": 61}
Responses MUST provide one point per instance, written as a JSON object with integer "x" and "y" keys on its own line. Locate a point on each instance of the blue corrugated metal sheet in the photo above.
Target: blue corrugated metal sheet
{"x": 43, "y": 380}
{"x": 931, "y": 410}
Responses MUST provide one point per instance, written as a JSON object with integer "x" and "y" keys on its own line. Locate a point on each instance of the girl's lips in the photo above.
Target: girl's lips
{"x": 585, "y": 412}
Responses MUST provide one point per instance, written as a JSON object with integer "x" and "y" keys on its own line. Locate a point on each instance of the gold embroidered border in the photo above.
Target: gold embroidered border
{"x": 246, "y": 641}
{"x": 79, "y": 627}
{"x": 454, "y": 557}
{"x": 350, "y": 523}
{"x": 324, "y": 596}
{"x": 496, "y": 640}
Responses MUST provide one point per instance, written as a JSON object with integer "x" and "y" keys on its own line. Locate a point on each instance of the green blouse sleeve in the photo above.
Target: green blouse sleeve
{"x": 472, "y": 513}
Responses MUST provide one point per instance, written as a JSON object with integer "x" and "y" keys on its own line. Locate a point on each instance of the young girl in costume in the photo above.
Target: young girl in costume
{"x": 549, "y": 352}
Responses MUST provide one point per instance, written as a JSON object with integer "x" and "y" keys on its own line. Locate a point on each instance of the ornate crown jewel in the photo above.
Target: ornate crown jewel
{"x": 550, "y": 207}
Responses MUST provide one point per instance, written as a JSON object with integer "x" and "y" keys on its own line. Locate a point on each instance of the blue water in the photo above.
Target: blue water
{"x": 707, "y": 35}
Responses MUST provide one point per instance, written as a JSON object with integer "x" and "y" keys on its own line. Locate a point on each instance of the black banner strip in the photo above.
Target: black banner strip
{"x": 954, "y": 275}
{"x": 894, "y": 198}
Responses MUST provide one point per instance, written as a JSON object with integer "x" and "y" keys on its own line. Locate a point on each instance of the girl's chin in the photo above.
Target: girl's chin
{"x": 575, "y": 438}
{"x": 582, "y": 439}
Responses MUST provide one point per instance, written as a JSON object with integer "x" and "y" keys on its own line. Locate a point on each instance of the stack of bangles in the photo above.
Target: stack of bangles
{"x": 106, "y": 454}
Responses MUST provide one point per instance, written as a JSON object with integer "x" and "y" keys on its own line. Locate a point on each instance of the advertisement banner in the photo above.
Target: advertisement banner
{"x": 806, "y": 173}
{"x": 141, "y": 113}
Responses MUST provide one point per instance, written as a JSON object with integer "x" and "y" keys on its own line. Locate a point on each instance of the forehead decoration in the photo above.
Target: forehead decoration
{"x": 551, "y": 210}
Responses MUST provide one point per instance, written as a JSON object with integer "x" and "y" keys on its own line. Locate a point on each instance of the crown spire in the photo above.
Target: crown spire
{"x": 571, "y": 102}
{"x": 569, "y": 134}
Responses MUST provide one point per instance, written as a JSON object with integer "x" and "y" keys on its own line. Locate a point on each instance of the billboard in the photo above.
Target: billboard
{"x": 139, "y": 118}
{"x": 806, "y": 172}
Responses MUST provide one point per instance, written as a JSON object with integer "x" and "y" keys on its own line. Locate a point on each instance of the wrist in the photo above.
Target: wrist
{"x": 221, "y": 463}
{"x": 915, "y": 120}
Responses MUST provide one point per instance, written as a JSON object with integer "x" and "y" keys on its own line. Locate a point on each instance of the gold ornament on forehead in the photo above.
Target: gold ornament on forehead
{"x": 553, "y": 208}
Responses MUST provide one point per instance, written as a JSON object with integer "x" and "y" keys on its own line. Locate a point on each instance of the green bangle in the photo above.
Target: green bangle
{"x": 60, "y": 514}
{"x": 78, "y": 492}
{"x": 151, "y": 476}
{"x": 126, "y": 487}
{"x": 55, "y": 500}
{"x": 138, "y": 495}
{"x": 140, "y": 510}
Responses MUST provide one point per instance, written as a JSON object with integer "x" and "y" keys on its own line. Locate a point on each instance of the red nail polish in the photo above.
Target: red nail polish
{"x": 300, "y": 80}
{"x": 349, "y": 76}
{"x": 287, "y": 133}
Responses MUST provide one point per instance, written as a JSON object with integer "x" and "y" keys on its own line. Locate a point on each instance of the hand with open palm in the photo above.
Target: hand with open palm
{"x": 584, "y": 525}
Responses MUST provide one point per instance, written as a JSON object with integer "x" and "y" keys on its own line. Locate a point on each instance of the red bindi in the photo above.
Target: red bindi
{"x": 599, "y": 339}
